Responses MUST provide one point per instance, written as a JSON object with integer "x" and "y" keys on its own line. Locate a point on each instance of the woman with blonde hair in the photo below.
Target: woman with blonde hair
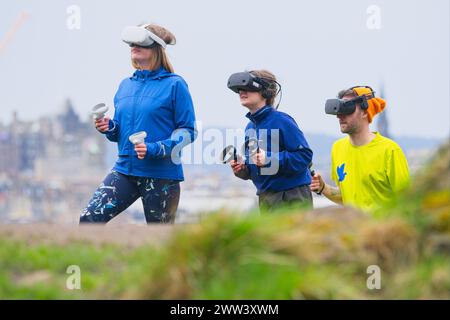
{"x": 156, "y": 101}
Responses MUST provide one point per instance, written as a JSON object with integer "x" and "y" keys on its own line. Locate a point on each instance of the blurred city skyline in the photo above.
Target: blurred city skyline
{"x": 315, "y": 49}
{"x": 50, "y": 166}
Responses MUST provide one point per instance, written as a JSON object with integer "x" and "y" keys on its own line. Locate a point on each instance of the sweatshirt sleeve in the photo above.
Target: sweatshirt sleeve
{"x": 184, "y": 120}
{"x": 297, "y": 155}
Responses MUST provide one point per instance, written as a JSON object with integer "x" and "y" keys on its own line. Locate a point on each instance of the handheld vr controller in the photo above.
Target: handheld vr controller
{"x": 99, "y": 111}
{"x": 138, "y": 137}
{"x": 230, "y": 152}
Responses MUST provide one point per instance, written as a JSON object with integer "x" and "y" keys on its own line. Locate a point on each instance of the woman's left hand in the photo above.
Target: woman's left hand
{"x": 141, "y": 150}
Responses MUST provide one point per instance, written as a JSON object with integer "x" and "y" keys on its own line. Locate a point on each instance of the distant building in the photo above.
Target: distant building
{"x": 9, "y": 154}
{"x": 56, "y": 143}
{"x": 382, "y": 118}
{"x": 69, "y": 119}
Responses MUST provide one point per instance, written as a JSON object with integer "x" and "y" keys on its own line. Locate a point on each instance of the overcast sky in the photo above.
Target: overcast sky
{"x": 315, "y": 48}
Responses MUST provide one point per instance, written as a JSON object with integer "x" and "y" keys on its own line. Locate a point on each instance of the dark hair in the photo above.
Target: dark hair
{"x": 346, "y": 92}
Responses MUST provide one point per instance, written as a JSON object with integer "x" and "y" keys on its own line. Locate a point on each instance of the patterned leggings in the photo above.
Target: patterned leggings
{"x": 160, "y": 198}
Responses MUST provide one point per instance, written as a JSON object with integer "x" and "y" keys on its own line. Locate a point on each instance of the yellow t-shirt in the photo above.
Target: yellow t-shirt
{"x": 370, "y": 175}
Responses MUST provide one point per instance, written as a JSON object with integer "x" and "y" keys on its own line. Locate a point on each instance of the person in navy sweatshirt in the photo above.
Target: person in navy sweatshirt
{"x": 155, "y": 100}
{"x": 277, "y": 155}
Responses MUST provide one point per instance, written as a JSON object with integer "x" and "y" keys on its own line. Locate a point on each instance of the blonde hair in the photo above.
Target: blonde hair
{"x": 159, "y": 56}
{"x": 272, "y": 90}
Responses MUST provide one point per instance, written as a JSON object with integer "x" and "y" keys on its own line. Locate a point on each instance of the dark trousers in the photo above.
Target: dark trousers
{"x": 160, "y": 198}
{"x": 299, "y": 197}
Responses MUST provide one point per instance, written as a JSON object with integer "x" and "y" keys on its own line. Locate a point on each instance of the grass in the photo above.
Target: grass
{"x": 227, "y": 257}
{"x": 321, "y": 254}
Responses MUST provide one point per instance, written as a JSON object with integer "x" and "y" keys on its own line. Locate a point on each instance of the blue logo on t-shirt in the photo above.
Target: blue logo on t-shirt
{"x": 340, "y": 172}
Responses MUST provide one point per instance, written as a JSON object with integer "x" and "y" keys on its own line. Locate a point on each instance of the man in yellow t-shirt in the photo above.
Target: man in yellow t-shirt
{"x": 368, "y": 169}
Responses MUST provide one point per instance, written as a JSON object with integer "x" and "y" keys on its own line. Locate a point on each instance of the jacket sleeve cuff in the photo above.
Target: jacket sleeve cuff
{"x": 111, "y": 127}
{"x": 154, "y": 150}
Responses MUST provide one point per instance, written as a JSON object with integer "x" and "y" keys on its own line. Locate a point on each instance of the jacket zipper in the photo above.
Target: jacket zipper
{"x": 132, "y": 127}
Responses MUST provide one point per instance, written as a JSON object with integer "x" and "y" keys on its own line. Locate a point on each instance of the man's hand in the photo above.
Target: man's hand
{"x": 102, "y": 124}
{"x": 141, "y": 150}
{"x": 317, "y": 183}
{"x": 320, "y": 187}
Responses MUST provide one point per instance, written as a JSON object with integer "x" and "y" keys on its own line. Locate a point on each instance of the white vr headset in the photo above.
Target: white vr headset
{"x": 141, "y": 37}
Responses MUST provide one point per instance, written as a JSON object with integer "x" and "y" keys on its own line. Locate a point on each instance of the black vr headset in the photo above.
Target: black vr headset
{"x": 246, "y": 81}
{"x": 340, "y": 106}
{"x": 249, "y": 82}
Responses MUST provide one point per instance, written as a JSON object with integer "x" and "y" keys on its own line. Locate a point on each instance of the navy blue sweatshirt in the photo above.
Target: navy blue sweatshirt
{"x": 288, "y": 167}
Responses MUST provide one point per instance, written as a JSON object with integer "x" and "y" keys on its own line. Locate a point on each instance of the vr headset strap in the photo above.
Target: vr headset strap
{"x": 155, "y": 37}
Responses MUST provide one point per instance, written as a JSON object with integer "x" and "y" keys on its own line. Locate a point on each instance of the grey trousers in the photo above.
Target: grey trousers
{"x": 299, "y": 197}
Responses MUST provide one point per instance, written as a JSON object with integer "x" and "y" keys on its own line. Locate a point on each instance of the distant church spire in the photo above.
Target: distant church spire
{"x": 382, "y": 119}
{"x": 69, "y": 118}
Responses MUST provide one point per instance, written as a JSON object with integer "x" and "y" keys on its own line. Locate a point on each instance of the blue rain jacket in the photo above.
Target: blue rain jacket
{"x": 159, "y": 103}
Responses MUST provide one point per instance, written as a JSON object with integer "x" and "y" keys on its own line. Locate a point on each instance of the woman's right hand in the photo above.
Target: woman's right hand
{"x": 102, "y": 124}
{"x": 317, "y": 183}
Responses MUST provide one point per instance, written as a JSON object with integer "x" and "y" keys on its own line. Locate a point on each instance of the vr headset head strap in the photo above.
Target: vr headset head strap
{"x": 141, "y": 36}
{"x": 265, "y": 83}
{"x": 157, "y": 39}
{"x": 363, "y": 97}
